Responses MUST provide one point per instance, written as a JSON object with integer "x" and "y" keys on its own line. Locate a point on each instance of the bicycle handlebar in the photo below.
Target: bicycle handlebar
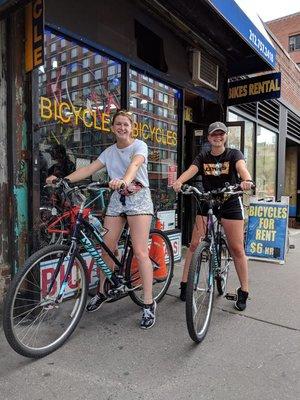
{"x": 228, "y": 189}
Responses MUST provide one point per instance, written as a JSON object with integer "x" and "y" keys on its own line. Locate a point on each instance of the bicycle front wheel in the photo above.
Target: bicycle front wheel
{"x": 199, "y": 293}
{"x": 162, "y": 259}
{"x": 34, "y": 322}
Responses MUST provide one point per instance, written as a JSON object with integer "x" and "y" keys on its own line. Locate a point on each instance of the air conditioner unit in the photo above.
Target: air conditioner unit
{"x": 204, "y": 71}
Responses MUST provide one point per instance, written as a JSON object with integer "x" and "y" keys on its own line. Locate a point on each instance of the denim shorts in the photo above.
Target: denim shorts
{"x": 139, "y": 203}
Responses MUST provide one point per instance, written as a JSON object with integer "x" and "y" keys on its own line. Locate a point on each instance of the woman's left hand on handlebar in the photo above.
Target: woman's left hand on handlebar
{"x": 117, "y": 184}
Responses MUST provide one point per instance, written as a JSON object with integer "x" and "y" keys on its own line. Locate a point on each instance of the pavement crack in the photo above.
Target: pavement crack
{"x": 260, "y": 320}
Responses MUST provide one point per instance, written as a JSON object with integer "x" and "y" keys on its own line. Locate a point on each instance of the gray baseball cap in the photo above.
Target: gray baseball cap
{"x": 217, "y": 126}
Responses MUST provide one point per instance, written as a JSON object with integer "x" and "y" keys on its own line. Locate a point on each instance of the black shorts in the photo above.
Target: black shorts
{"x": 230, "y": 209}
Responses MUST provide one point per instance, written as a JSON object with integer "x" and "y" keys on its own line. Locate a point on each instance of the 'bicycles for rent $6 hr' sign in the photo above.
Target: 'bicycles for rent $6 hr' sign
{"x": 267, "y": 230}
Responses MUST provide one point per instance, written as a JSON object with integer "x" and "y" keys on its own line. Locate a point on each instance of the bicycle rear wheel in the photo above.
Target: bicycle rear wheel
{"x": 34, "y": 323}
{"x": 199, "y": 293}
{"x": 225, "y": 261}
{"x": 162, "y": 258}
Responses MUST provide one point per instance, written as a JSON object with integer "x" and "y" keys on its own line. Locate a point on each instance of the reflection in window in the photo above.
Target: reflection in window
{"x": 157, "y": 126}
{"x": 98, "y": 74}
{"x": 86, "y": 63}
{"x": 74, "y": 52}
{"x": 266, "y": 156}
{"x": 248, "y": 141}
{"x": 97, "y": 59}
{"x": 75, "y": 111}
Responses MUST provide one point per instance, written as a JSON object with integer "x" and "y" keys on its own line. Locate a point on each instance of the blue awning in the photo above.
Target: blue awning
{"x": 250, "y": 31}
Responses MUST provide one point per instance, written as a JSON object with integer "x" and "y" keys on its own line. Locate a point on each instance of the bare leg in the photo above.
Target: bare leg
{"x": 139, "y": 232}
{"x": 197, "y": 235}
{"x": 234, "y": 230}
{"x": 115, "y": 227}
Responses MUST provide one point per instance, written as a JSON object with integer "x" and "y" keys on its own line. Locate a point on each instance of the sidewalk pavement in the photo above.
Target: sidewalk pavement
{"x": 251, "y": 355}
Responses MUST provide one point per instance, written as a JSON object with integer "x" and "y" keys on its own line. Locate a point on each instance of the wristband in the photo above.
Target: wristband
{"x": 248, "y": 180}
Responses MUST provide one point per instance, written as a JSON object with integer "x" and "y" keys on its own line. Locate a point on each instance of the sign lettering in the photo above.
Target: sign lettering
{"x": 34, "y": 38}
{"x": 66, "y": 113}
{"x": 254, "y": 89}
{"x": 266, "y": 231}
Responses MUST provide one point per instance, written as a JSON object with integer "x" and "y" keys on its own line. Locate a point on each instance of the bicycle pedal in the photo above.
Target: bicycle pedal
{"x": 231, "y": 296}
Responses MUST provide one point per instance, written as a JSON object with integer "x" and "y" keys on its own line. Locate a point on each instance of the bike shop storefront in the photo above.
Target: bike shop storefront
{"x": 88, "y": 74}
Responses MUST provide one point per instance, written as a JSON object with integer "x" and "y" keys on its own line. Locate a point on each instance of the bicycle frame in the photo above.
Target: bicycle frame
{"x": 72, "y": 213}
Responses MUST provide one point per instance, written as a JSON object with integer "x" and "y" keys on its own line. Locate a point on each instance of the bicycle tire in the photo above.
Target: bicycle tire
{"x": 200, "y": 274}
{"x": 222, "y": 276}
{"x": 162, "y": 276}
{"x": 34, "y": 325}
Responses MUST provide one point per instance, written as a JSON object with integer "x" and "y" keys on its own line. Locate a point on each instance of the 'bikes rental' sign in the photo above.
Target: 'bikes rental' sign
{"x": 259, "y": 88}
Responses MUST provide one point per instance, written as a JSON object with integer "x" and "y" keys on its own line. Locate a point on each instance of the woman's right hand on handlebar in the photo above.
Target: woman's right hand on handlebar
{"x": 177, "y": 185}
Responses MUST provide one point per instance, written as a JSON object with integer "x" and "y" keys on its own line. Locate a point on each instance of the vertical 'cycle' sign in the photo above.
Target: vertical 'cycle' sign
{"x": 34, "y": 38}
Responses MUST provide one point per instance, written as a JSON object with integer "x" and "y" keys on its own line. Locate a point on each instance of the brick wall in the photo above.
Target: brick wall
{"x": 290, "y": 75}
{"x": 285, "y": 27}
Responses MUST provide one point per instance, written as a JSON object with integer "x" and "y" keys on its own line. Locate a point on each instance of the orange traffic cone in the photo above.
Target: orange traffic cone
{"x": 157, "y": 255}
{"x": 135, "y": 277}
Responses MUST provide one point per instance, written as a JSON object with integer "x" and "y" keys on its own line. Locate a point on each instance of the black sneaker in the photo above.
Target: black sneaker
{"x": 148, "y": 317}
{"x": 96, "y": 302}
{"x": 242, "y": 297}
{"x": 183, "y": 291}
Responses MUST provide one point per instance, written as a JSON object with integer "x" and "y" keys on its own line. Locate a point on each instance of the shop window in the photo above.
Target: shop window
{"x": 160, "y": 136}
{"x": 249, "y": 140}
{"x": 294, "y": 43}
{"x": 76, "y": 112}
{"x": 266, "y": 165}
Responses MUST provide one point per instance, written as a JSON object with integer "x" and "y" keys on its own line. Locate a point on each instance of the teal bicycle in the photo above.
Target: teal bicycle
{"x": 210, "y": 264}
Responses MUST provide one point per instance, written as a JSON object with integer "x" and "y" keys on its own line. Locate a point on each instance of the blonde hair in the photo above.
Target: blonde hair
{"x": 123, "y": 113}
